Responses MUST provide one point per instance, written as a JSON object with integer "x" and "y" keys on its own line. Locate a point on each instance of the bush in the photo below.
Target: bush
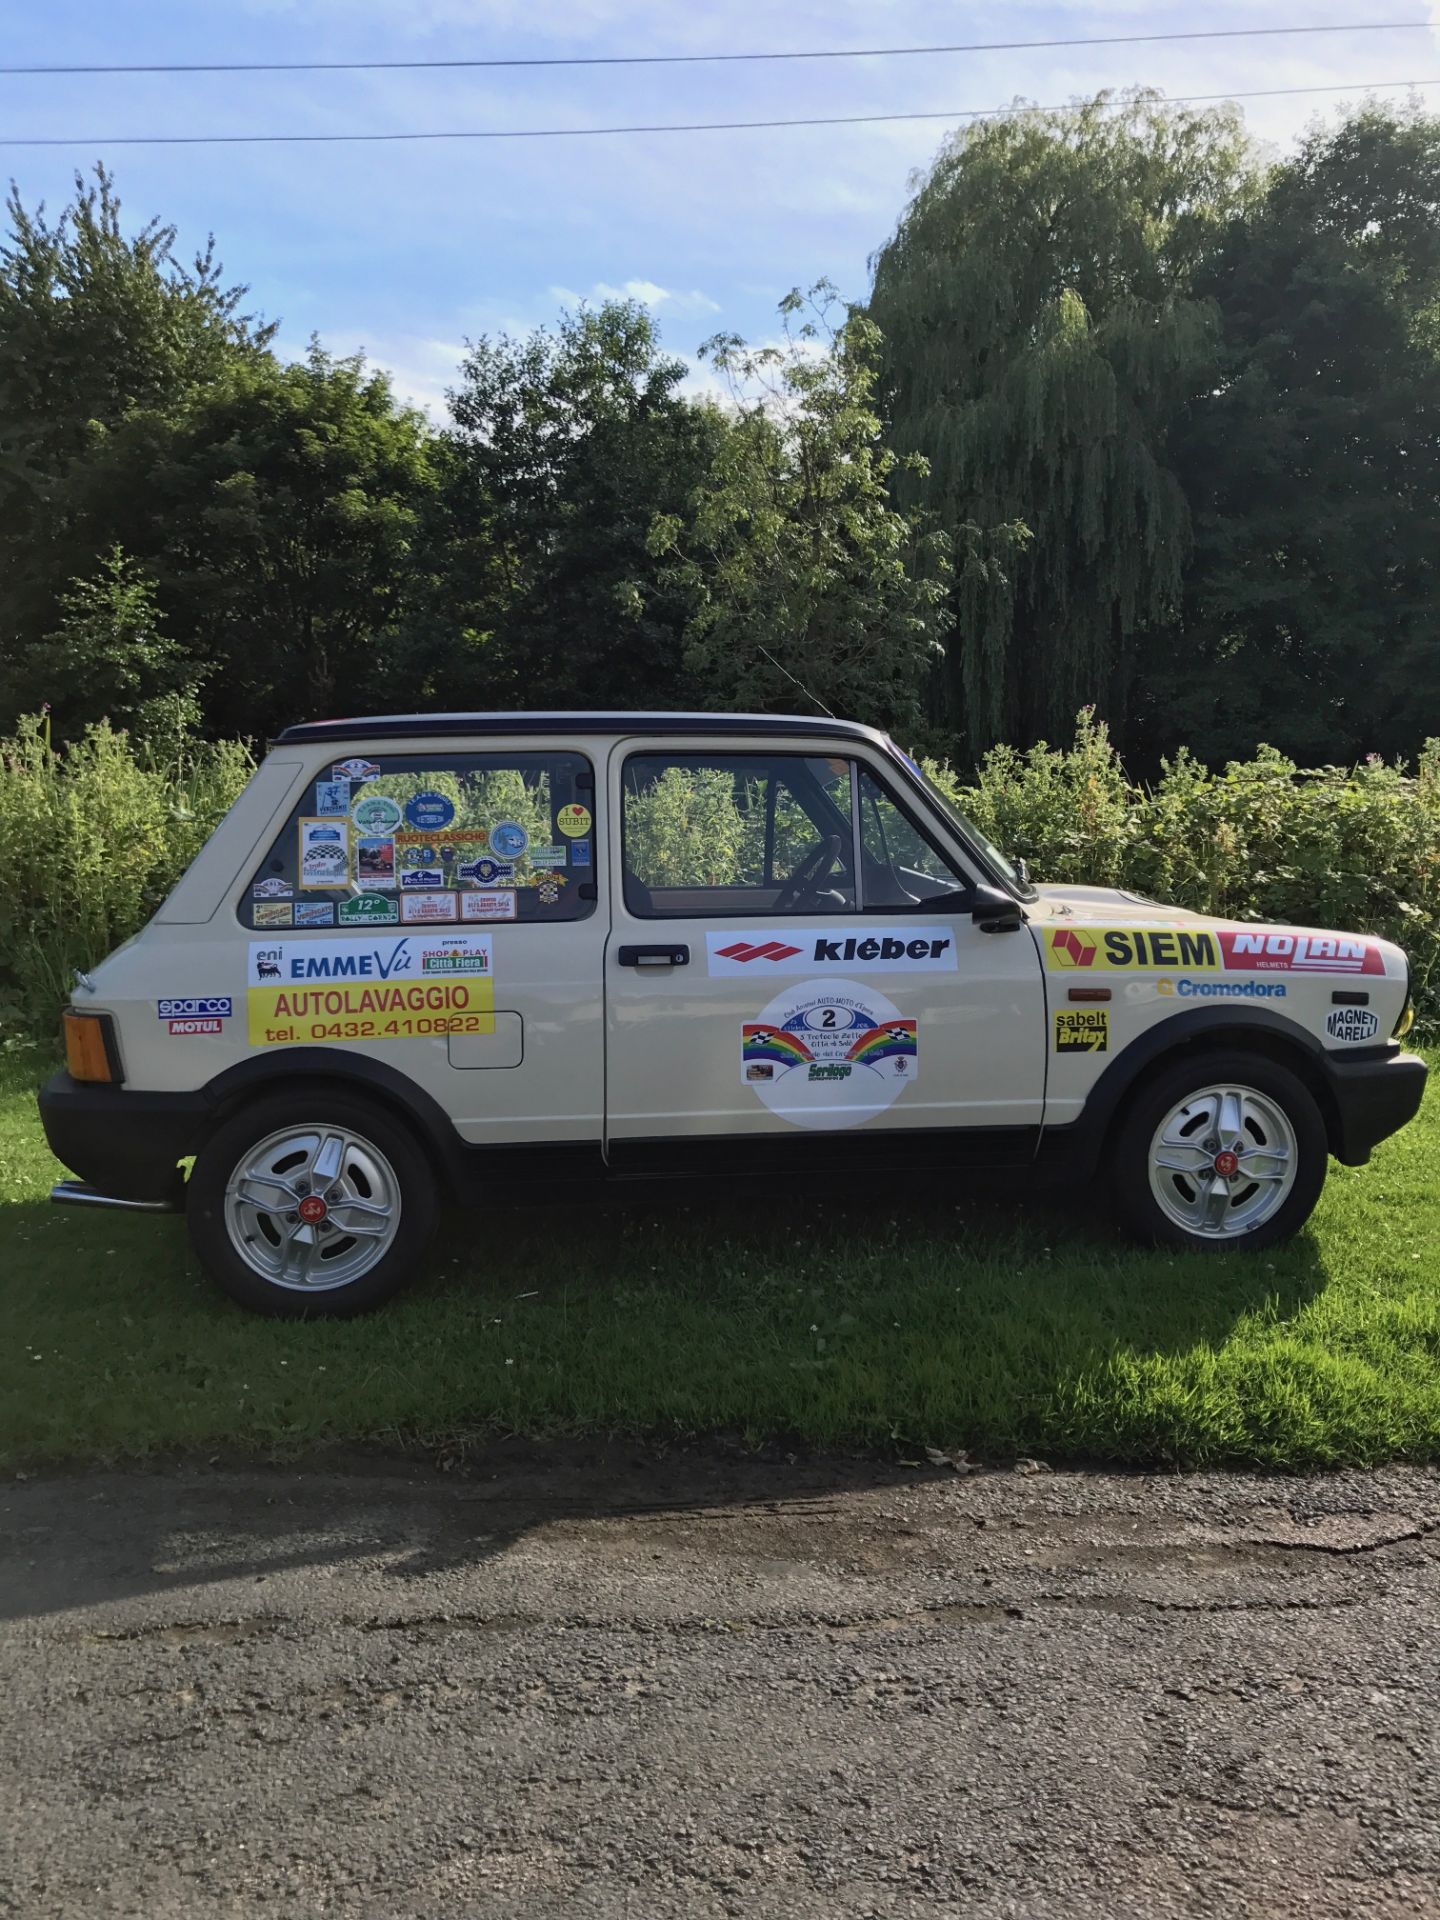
{"x": 1338, "y": 847}
{"x": 92, "y": 837}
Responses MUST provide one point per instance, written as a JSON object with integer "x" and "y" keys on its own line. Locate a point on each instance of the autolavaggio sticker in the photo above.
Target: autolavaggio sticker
{"x": 413, "y": 986}
{"x": 829, "y": 1054}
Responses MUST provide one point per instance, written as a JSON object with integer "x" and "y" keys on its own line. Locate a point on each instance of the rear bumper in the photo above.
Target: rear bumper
{"x": 123, "y": 1145}
{"x": 1374, "y": 1096}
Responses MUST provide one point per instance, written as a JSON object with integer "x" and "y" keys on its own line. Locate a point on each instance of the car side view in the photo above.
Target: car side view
{"x": 438, "y": 959}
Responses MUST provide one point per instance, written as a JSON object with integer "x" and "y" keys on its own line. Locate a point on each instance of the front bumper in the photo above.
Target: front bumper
{"x": 1374, "y": 1095}
{"x": 124, "y": 1145}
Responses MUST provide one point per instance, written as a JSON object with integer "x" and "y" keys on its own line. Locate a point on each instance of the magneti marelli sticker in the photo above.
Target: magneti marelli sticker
{"x": 829, "y": 1054}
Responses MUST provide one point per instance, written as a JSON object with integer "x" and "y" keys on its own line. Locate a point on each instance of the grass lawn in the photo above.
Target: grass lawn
{"x": 895, "y": 1322}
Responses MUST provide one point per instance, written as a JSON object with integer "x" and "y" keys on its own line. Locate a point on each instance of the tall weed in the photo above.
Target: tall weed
{"x": 93, "y": 835}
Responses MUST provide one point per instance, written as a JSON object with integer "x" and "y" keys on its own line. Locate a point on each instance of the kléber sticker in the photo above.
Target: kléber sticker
{"x": 755, "y": 952}
{"x": 382, "y": 988}
{"x": 829, "y": 1054}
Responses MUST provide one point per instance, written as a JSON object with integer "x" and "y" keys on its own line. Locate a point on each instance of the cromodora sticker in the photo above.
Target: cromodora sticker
{"x": 829, "y": 1054}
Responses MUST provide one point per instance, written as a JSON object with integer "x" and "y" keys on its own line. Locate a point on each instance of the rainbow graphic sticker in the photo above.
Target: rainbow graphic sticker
{"x": 760, "y": 1042}
{"x": 892, "y": 1040}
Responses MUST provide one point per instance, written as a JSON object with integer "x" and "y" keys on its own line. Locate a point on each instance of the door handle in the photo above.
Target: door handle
{"x": 654, "y": 956}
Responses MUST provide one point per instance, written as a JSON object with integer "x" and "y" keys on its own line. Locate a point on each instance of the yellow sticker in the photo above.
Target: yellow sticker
{"x": 1129, "y": 949}
{"x": 418, "y": 985}
{"x": 1084, "y": 1030}
{"x": 574, "y": 821}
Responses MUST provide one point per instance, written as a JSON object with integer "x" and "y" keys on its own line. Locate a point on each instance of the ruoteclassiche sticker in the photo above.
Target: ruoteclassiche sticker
{"x": 830, "y": 1053}
{"x": 415, "y": 985}
{"x": 324, "y": 853}
{"x": 756, "y": 952}
{"x": 1082, "y": 1030}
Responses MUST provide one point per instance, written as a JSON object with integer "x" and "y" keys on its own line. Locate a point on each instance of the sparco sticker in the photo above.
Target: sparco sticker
{"x": 197, "y": 1007}
{"x": 759, "y": 951}
{"x": 383, "y": 988}
{"x": 829, "y": 1054}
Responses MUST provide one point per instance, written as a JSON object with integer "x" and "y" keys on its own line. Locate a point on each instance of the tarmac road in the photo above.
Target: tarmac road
{"x": 587, "y": 1683}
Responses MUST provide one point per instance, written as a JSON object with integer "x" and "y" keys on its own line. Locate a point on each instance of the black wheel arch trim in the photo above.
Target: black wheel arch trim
{"x": 1331, "y": 1078}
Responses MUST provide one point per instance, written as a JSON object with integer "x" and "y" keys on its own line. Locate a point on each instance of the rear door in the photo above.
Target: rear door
{"x": 781, "y": 986}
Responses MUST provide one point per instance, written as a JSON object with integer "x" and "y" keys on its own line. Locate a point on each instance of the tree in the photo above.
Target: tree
{"x": 1312, "y": 462}
{"x": 804, "y": 582}
{"x": 93, "y": 325}
{"x": 278, "y": 509}
{"x": 566, "y": 447}
{"x": 1041, "y": 330}
{"x": 109, "y": 657}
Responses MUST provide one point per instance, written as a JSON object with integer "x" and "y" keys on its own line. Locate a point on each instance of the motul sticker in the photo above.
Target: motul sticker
{"x": 758, "y": 952}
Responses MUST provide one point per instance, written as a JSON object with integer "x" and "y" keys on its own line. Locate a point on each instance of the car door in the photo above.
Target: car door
{"x": 789, "y": 978}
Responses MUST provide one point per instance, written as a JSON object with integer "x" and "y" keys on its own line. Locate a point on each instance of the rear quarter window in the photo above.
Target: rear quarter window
{"x": 411, "y": 840}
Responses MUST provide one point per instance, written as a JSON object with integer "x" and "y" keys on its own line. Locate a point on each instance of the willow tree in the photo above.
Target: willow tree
{"x": 1040, "y": 333}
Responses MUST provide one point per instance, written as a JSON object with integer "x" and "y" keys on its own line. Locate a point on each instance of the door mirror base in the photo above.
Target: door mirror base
{"x": 994, "y": 911}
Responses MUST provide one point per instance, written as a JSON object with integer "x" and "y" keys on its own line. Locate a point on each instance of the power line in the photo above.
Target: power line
{"x": 689, "y": 126}
{"x": 716, "y": 59}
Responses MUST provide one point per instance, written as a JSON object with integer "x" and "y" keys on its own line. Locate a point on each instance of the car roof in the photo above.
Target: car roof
{"x": 391, "y": 726}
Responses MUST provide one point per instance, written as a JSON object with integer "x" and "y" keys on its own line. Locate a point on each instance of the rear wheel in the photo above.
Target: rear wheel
{"x": 311, "y": 1205}
{"x": 1221, "y": 1150}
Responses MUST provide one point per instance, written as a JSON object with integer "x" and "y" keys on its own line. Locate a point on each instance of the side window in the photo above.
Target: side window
{"x": 737, "y": 833}
{"x": 902, "y": 864}
{"x": 421, "y": 839}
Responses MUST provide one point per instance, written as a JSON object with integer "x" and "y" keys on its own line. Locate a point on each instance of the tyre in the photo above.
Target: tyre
{"x": 1222, "y": 1150}
{"x": 311, "y": 1205}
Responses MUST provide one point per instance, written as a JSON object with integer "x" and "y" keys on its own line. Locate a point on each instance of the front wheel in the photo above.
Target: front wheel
{"x": 310, "y": 1205}
{"x": 1223, "y": 1150}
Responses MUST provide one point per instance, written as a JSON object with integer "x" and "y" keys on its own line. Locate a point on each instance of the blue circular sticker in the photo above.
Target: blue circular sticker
{"x": 429, "y": 811}
{"x": 509, "y": 839}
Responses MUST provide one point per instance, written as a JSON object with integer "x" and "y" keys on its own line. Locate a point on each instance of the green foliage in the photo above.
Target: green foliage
{"x": 804, "y": 581}
{"x": 1040, "y": 331}
{"x": 93, "y": 835}
{"x": 1312, "y": 463}
{"x": 1348, "y": 848}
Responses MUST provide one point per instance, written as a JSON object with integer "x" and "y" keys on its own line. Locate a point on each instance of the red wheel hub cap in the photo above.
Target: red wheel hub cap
{"x": 1227, "y": 1164}
{"x": 312, "y": 1208}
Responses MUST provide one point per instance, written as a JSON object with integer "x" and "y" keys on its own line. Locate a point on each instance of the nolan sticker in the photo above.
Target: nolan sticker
{"x": 198, "y": 1007}
{"x": 1123, "y": 949}
{"x": 1221, "y": 989}
{"x": 1082, "y": 1030}
{"x": 759, "y": 951}
{"x": 392, "y": 988}
{"x": 1265, "y": 951}
{"x": 1352, "y": 1025}
{"x": 831, "y": 1053}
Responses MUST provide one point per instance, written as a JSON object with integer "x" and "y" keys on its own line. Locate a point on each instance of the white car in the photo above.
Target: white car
{"x": 652, "y": 944}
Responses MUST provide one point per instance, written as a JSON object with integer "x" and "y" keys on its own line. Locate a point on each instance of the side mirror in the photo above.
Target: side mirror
{"x": 994, "y": 911}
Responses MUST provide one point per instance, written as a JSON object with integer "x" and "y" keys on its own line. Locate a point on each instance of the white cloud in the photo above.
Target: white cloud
{"x": 420, "y": 370}
{"x": 645, "y": 291}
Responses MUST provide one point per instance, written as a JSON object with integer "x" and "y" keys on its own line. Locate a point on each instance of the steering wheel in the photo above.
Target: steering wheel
{"x": 808, "y": 874}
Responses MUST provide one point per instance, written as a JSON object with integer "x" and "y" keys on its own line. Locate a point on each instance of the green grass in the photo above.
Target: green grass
{"x": 896, "y": 1322}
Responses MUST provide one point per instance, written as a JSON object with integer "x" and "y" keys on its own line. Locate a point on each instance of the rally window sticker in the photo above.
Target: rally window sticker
{"x": 272, "y": 913}
{"x": 369, "y": 910}
{"x": 829, "y": 1054}
{"x": 488, "y": 906}
{"x": 574, "y": 821}
{"x": 324, "y": 852}
{"x": 427, "y": 906}
{"x": 375, "y": 863}
{"x": 332, "y": 797}
{"x": 314, "y": 913}
{"x": 755, "y": 952}
{"x": 394, "y": 988}
{"x": 429, "y": 812}
{"x": 376, "y": 813}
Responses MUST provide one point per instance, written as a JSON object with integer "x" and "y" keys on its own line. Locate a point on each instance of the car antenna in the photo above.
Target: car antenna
{"x": 813, "y": 698}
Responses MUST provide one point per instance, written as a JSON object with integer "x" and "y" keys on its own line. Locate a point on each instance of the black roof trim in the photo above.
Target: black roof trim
{"x": 451, "y": 726}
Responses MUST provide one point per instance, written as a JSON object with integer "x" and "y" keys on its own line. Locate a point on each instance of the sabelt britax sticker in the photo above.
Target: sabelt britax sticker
{"x": 755, "y": 952}
{"x": 828, "y": 1054}
{"x": 382, "y": 988}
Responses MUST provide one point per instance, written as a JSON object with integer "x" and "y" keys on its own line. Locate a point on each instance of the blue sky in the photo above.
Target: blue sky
{"x": 405, "y": 251}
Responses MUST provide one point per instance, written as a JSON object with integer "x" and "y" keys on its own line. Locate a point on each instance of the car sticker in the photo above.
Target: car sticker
{"x": 324, "y": 852}
{"x": 829, "y": 1054}
{"x": 1354, "y": 1026}
{"x": 427, "y": 906}
{"x": 1082, "y": 1030}
{"x": 332, "y": 797}
{"x": 754, "y": 952}
{"x": 574, "y": 821}
{"x": 376, "y": 813}
{"x": 416, "y": 985}
{"x": 488, "y": 906}
{"x": 375, "y": 862}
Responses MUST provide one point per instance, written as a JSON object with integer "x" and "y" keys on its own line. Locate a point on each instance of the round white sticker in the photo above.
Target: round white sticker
{"x": 829, "y": 1054}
